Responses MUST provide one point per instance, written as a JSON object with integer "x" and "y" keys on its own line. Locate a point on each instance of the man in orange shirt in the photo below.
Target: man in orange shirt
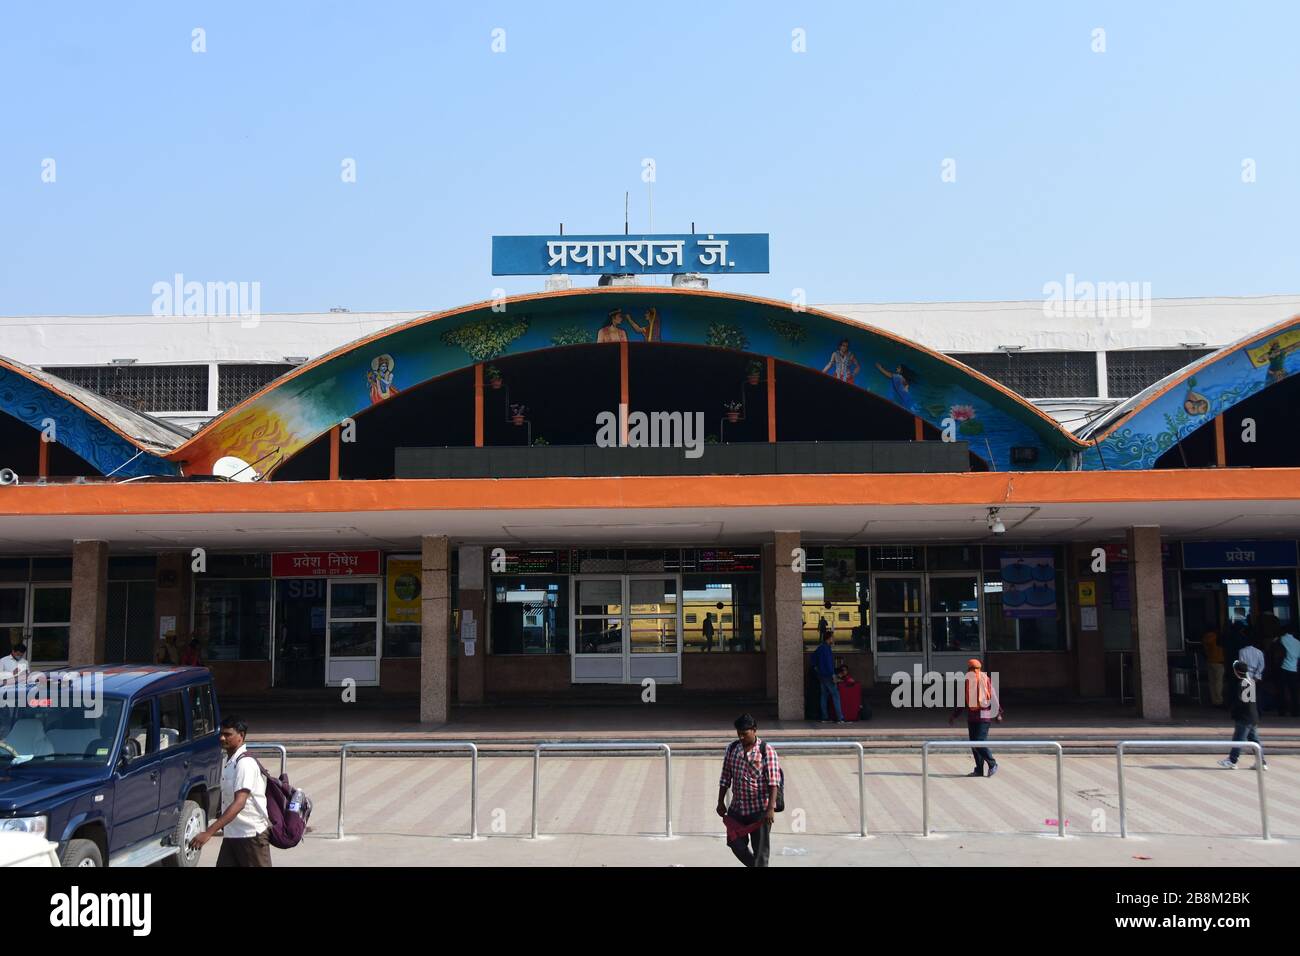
{"x": 982, "y": 708}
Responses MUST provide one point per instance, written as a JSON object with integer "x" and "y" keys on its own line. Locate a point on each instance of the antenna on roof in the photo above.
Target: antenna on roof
{"x": 561, "y": 228}
{"x": 625, "y": 195}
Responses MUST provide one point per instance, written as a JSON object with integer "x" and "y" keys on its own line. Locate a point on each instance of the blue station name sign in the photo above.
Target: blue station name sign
{"x": 739, "y": 252}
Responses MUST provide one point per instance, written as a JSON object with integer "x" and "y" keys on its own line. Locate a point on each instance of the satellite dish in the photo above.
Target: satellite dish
{"x": 236, "y": 469}
{"x": 8, "y": 476}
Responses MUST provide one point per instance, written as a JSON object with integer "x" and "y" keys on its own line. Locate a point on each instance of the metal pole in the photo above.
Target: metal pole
{"x": 1263, "y": 801}
{"x": 473, "y": 791}
{"x": 537, "y": 777}
{"x": 862, "y": 794}
{"x": 343, "y": 758}
{"x": 1123, "y": 820}
{"x": 668, "y": 791}
{"x": 1060, "y": 792}
{"x": 925, "y": 789}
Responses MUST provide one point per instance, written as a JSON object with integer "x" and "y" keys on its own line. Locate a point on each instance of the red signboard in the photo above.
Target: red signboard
{"x": 320, "y": 564}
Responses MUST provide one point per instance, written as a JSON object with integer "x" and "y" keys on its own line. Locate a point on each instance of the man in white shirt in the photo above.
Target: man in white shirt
{"x": 1253, "y": 658}
{"x": 246, "y": 840}
{"x": 14, "y": 665}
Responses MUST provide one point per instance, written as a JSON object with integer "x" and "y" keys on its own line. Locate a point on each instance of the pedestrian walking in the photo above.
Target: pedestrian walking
{"x": 823, "y": 665}
{"x": 246, "y": 838}
{"x": 1245, "y": 715}
{"x": 751, "y": 770}
{"x": 14, "y": 666}
{"x": 982, "y": 708}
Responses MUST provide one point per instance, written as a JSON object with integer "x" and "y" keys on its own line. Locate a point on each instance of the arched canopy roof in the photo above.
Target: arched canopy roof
{"x": 284, "y": 417}
{"x": 1135, "y": 433}
{"x": 113, "y": 439}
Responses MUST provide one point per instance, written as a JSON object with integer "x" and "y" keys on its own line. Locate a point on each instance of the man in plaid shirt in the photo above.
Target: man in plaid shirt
{"x": 753, "y": 777}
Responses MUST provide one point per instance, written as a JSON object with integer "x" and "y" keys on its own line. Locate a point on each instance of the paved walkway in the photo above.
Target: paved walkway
{"x": 610, "y": 810}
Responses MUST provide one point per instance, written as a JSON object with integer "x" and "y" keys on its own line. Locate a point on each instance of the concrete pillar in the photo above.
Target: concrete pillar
{"x": 89, "y": 603}
{"x": 471, "y": 672}
{"x": 783, "y": 630}
{"x": 1147, "y": 587}
{"x": 435, "y": 621}
{"x": 1089, "y": 646}
{"x": 172, "y": 597}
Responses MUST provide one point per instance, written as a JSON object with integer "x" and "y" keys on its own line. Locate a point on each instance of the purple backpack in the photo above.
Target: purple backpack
{"x": 287, "y": 808}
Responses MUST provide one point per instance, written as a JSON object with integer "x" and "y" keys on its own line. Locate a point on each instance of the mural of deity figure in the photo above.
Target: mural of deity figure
{"x": 380, "y": 379}
{"x": 900, "y": 380}
{"x": 844, "y": 363}
{"x": 650, "y": 331}
{"x": 612, "y": 330}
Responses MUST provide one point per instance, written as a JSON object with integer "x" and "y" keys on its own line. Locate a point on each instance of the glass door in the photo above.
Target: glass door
{"x": 13, "y": 617}
{"x": 626, "y": 627}
{"x": 898, "y": 624}
{"x": 955, "y": 632}
{"x": 353, "y": 619}
{"x": 299, "y": 632}
{"x": 51, "y": 623}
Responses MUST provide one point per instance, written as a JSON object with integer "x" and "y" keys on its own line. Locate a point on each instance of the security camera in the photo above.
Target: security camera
{"x": 8, "y": 476}
{"x": 995, "y": 523}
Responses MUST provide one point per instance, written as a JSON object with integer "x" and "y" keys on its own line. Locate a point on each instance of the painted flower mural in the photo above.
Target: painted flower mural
{"x": 486, "y": 339}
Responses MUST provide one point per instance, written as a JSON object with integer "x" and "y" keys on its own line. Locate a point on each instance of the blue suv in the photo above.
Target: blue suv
{"x": 119, "y": 765}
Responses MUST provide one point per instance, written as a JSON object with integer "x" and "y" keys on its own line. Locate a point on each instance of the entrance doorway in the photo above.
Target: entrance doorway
{"x": 626, "y": 627}
{"x": 1228, "y": 601}
{"x": 326, "y": 632}
{"x": 932, "y": 619}
{"x": 38, "y": 615}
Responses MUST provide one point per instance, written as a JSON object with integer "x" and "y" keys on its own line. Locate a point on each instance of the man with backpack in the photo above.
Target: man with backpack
{"x": 246, "y": 840}
{"x": 751, "y": 770}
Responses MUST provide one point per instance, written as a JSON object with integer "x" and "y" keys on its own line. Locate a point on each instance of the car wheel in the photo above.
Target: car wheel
{"x": 192, "y": 822}
{"x": 82, "y": 853}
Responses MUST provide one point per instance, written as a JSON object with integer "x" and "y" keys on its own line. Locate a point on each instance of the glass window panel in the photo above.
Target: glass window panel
{"x": 353, "y": 599}
{"x": 13, "y": 605}
{"x": 953, "y": 633}
{"x": 600, "y": 597}
{"x": 15, "y": 569}
{"x": 49, "y": 644}
{"x": 654, "y": 635}
{"x": 599, "y": 636}
{"x": 139, "y": 730}
{"x": 51, "y": 605}
{"x": 892, "y": 557}
{"x": 530, "y": 615}
{"x": 900, "y": 635}
{"x": 658, "y": 596}
{"x": 171, "y": 720}
{"x": 950, "y": 595}
{"x": 898, "y": 595}
{"x": 232, "y": 619}
{"x": 201, "y": 716}
{"x": 352, "y": 639}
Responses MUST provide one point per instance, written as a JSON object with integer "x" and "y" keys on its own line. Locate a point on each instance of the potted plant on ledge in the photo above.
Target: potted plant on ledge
{"x": 493, "y": 376}
{"x": 732, "y": 410}
{"x": 517, "y": 413}
{"x": 753, "y": 371}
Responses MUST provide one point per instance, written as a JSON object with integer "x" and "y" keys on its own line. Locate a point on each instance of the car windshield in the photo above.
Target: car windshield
{"x": 36, "y": 731}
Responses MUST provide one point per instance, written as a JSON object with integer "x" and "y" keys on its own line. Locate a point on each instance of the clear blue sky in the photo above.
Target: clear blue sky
{"x": 225, "y": 166}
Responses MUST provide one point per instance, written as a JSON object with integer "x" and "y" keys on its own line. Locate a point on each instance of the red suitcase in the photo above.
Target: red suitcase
{"x": 851, "y": 699}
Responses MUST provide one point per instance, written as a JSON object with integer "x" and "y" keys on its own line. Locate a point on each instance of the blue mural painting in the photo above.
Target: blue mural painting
{"x": 308, "y": 403}
{"x": 1151, "y": 429}
{"x": 76, "y": 429}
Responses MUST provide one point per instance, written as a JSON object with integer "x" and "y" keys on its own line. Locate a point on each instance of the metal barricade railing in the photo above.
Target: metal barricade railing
{"x": 607, "y": 748}
{"x": 782, "y": 745}
{"x": 1194, "y": 745}
{"x": 471, "y": 748}
{"x": 284, "y": 754}
{"x": 1001, "y": 745}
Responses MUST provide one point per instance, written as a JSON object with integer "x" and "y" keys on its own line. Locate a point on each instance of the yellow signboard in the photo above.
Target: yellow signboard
{"x": 1087, "y": 593}
{"x": 403, "y": 583}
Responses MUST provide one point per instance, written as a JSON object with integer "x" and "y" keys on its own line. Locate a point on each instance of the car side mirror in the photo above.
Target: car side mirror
{"x": 123, "y": 757}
